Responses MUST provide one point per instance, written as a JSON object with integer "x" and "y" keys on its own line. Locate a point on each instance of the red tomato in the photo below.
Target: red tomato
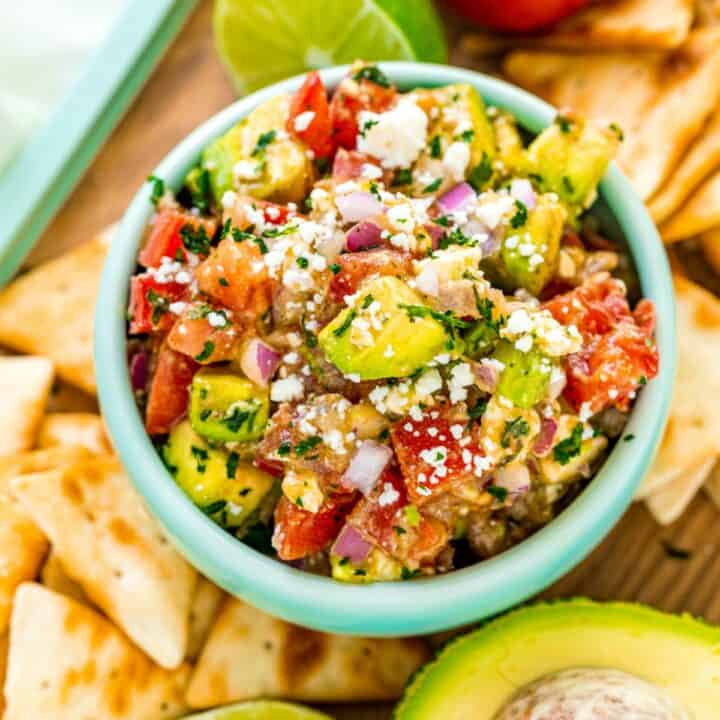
{"x": 349, "y": 164}
{"x": 352, "y": 96}
{"x": 235, "y": 275}
{"x": 273, "y": 214}
{"x": 149, "y": 301}
{"x": 431, "y": 457}
{"x": 169, "y": 390}
{"x": 165, "y": 239}
{"x": 358, "y": 266}
{"x": 193, "y": 335}
{"x": 516, "y": 15}
{"x": 299, "y": 533}
{"x": 312, "y": 98}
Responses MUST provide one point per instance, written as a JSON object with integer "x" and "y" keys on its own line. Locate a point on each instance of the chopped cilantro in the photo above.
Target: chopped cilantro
{"x": 232, "y": 464}
{"x": 159, "y": 304}
{"x": 223, "y": 281}
{"x": 466, "y": 136}
{"x": 239, "y": 417}
{"x": 408, "y": 574}
{"x": 201, "y": 456}
{"x": 205, "y": 414}
{"x": 206, "y": 352}
{"x": 202, "y": 193}
{"x": 455, "y": 237}
{"x": 304, "y": 446}
{"x": 335, "y": 268}
{"x": 284, "y": 449}
{"x": 299, "y": 502}
{"x": 433, "y": 186}
{"x": 263, "y": 141}
{"x": 516, "y": 428}
{"x": 401, "y": 177}
{"x": 447, "y": 319}
{"x": 499, "y": 493}
{"x": 570, "y": 447}
{"x": 359, "y": 572}
{"x": 436, "y": 147}
{"x": 344, "y": 560}
{"x": 226, "y": 228}
{"x": 481, "y": 173}
{"x": 372, "y": 73}
{"x": 158, "y": 188}
{"x": 214, "y": 507}
{"x": 310, "y": 338}
{"x": 367, "y": 125}
{"x": 302, "y": 262}
{"x": 195, "y": 240}
{"x": 399, "y": 530}
{"x": 520, "y": 217}
{"x": 375, "y": 190}
{"x": 345, "y": 326}
{"x": 564, "y": 123}
{"x": 443, "y": 221}
{"x": 476, "y": 412}
{"x": 384, "y": 434}
{"x": 274, "y": 232}
{"x": 367, "y": 302}
{"x": 642, "y": 380}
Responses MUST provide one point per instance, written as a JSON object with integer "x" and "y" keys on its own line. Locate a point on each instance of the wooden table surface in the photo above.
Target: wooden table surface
{"x": 188, "y": 87}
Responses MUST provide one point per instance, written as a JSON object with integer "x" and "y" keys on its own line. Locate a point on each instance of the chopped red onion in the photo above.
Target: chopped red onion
{"x": 456, "y": 198}
{"x": 351, "y": 544}
{"x": 366, "y": 466}
{"x": 522, "y": 190}
{"x": 545, "y": 437}
{"x": 363, "y": 236}
{"x": 487, "y": 372}
{"x": 358, "y": 206}
{"x": 259, "y": 361}
{"x": 435, "y": 232}
{"x": 515, "y": 478}
{"x": 139, "y": 370}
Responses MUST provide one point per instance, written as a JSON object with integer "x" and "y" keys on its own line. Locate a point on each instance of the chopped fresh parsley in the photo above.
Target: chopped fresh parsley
{"x": 367, "y": 302}
{"x": 476, "y": 412}
{"x": 372, "y": 73}
{"x": 564, "y": 123}
{"x": 568, "y": 184}
{"x": 304, "y": 446}
{"x": 367, "y": 125}
{"x": 399, "y": 530}
{"x": 262, "y": 142}
{"x": 206, "y": 352}
{"x": 299, "y": 502}
{"x": 455, "y": 237}
{"x": 499, "y": 493}
{"x": 375, "y": 190}
{"x": 231, "y": 465}
{"x": 345, "y": 326}
{"x": 158, "y": 188}
{"x": 284, "y": 449}
{"x": 447, "y": 319}
{"x": 642, "y": 380}
{"x": 201, "y": 456}
{"x": 618, "y": 131}
{"x": 159, "y": 304}
{"x": 436, "y": 147}
{"x": 214, "y": 507}
{"x": 408, "y": 574}
{"x": 226, "y": 228}
{"x": 310, "y": 337}
{"x": 443, "y": 221}
{"x": 433, "y": 186}
{"x": 570, "y": 447}
{"x": 223, "y": 281}
{"x": 359, "y": 572}
{"x": 466, "y": 136}
{"x": 481, "y": 173}
{"x": 239, "y": 417}
{"x": 401, "y": 177}
{"x": 195, "y": 240}
{"x": 335, "y": 268}
{"x": 302, "y": 262}
{"x": 384, "y": 435}
{"x": 516, "y": 428}
{"x": 205, "y": 414}
{"x": 520, "y": 217}
{"x": 201, "y": 192}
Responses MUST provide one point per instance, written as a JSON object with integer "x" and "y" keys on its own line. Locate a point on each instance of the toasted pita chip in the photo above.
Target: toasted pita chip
{"x": 666, "y": 97}
{"x": 84, "y": 429}
{"x": 205, "y": 607}
{"x": 702, "y": 159}
{"x": 669, "y": 502}
{"x": 3, "y": 668}
{"x": 66, "y": 662}
{"x": 712, "y": 484}
{"x": 115, "y": 551}
{"x": 49, "y": 311}
{"x": 711, "y": 248}
{"x": 250, "y": 654}
{"x": 54, "y": 577}
{"x": 25, "y": 383}
{"x": 707, "y": 13}
{"x": 692, "y": 435}
{"x": 624, "y": 24}
{"x": 698, "y": 215}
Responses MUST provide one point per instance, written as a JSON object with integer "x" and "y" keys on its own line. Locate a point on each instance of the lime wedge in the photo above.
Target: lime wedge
{"x": 260, "y": 710}
{"x": 261, "y": 42}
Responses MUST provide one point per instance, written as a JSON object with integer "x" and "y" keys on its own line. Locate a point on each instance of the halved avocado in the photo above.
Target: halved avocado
{"x": 475, "y": 676}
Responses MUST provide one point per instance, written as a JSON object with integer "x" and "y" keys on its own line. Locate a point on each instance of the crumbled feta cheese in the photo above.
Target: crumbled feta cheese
{"x": 456, "y": 160}
{"x": 371, "y": 172}
{"x": 246, "y": 170}
{"x": 287, "y": 389}
{"x": 461, "y": 376}
{"x": 389, "y": 351}
{"x": 178, "y": 307}
{"x": 492, "y": 208}
{"x": 524, "y": 343}
{"x": 428, "y": 383}
{"x": 217, "y": 319}
{"x": 228, "y": 199}
{"x": 303, "y": 120}
{"x": 335, "y": 441}
{"x": 388, "y": 496}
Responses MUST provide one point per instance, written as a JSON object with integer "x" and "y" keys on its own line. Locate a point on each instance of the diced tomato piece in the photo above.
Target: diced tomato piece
{"x": 194, "y": 335}
{"x": 165, "y": 239}
{"x": 245, "y": 207}
{"x": 431, "y": 458}
{"x": 299, "y": 533}
{"x": 235, "y": 275}
{"x": 352, "y": 96}
{"x": 349, "y": 165}
{"x": 149, "y": 303}
{"x": 169, "y": 390}
{"x": 317, "y": 132}
{"x": 359, "y": 266}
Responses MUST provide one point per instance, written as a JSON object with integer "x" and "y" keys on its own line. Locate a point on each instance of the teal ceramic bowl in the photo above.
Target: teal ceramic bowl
{"x": 403, "y": 608}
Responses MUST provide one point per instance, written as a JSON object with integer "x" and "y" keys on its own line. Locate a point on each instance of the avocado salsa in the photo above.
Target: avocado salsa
{"x": 375, "y": 334}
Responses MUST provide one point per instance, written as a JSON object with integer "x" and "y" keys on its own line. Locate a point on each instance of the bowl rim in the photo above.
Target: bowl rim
{"x": 383, "y": 609}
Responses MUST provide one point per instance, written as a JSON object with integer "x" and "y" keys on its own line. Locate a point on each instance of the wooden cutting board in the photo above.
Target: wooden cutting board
{"x": 188, "y": 87}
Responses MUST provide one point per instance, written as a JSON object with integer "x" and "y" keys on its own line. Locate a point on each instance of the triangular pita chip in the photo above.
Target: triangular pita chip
{"x": 712, "y": 484}
{"x": 692, "y": 435}
{"x": 698, "y": 215}
{"x": 54, "y": 577}
{"x": 25, "y": 383}
{"x": 711, "y": 248}
{"x": 250, "y": 654}
{"x": 669, "y": 502}
{"x": 666, "y": 98}
{"x": 205, "y": 607}
{"x": 67, "y": 662}
{"x": 49, "y": 311}
{"x": 3, "y": 668}
{"x": 109, "y": 544}
{"x": 624, "y": 24}
{"x": 702, "y": 159}
{"x": 707, "y": 13}
{"x": 84, "y": 429}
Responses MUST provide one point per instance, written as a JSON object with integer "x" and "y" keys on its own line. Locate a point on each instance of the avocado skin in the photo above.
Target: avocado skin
{"x": 476, "y": 674}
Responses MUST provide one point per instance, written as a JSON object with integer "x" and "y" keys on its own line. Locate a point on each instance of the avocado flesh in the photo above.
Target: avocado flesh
{"x": 476, "y": 675}
{"x": 525, "y": 379}
{"x": 402, "y": 345}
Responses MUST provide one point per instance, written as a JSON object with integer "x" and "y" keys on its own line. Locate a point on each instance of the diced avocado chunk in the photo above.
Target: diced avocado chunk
{"x": 570, "y": 158}
{"x": 386, "y": 332}
{"x": 377, "y": 567}
{"x": 571, "y": 452}
{"x": 258, "y": 157}
{"x": 510, "y": 150}
{"x": 216, "y": 480}
{"x": 526, "y": 376}
{"x": 226, "y": 407}
{"x": 530, "y": 250}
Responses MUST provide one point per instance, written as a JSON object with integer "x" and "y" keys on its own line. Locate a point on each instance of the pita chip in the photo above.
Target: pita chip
{"x": 711, "y": 248}
{"x": 623, "y": 24}
{"x": 667, "y": 97}
{"x": 250, "y": 654}
{"x": 702, "y": 159}
{"x": 25, "y": 384}
{"x": 67, "y": 662}
{"x": 692, "y": 434}
{"x": 669, "y": 502}
{"x": 712, "y": 484}
{"x": 3, "y": 668}
{"x": 83, "y": 429}
{"x": 49, "y": 311}
{"x": 205, "y": 607}
{"x": 54, "y": 577}
{"x": 116, "y": 552}
{"x": 698, "y": 215}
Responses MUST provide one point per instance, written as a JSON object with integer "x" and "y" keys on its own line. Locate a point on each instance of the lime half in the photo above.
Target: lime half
{"x": 261, "y": 710}
{"x": 262, "y": 42}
